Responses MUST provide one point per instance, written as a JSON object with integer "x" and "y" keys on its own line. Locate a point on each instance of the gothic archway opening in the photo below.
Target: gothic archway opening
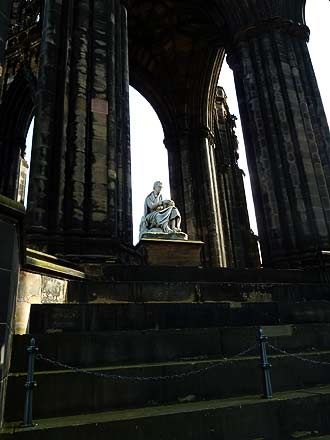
{"x": 25, "y": 167}
{"x": 149, "y": 155}
{"x": 16, "y": 114}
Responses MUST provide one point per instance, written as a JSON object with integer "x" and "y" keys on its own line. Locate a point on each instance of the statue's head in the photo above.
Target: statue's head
{"x": 158, "y": 186}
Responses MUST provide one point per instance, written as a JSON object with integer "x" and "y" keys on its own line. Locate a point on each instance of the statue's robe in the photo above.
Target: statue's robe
{"x": 157, "y": 218}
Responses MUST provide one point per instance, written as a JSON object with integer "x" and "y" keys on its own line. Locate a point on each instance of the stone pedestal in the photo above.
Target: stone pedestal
{"x": 160, "y": 252}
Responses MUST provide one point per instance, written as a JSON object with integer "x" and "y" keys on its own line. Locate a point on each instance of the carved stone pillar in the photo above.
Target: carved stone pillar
{"x": 5, "y": 9}
{"x": 286, "y": 134}
{"x": 80, "y": 191}
{"x": 194, "y": 187}
{"x": 240, "y": 243}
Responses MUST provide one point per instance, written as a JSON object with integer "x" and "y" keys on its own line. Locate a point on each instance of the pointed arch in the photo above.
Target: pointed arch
{"x": 16, "y": 112}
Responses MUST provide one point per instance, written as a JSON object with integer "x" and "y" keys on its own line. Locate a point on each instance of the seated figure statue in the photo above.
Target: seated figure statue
{"x": 161, "y": 217}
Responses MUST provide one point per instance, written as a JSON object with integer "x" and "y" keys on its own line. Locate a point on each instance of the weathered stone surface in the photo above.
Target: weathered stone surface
{"x": 80, "y": 207}
{"x": 159, "y": 235}
{"x": 153, "y": 290}
{"x": 290, "y": 415}
{"x": 81, "y": 156}
{"x": 36, "y": 289}
{"x": 53, "y": 290}
{"x": 81, "y": 152}
{"x": 169, "y": 252}
{"x": 163, "y": 315}
{"x": 29, "y": 288}
{"x": 4, "y": 20}
{"x": 241, "y": 246}
{"x": 239, "y": 378}
{"x": 130, "y": 346}
{"x": 287, "y": 140}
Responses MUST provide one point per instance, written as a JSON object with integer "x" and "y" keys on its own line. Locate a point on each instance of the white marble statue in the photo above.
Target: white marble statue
{"x": 161, "y": 217}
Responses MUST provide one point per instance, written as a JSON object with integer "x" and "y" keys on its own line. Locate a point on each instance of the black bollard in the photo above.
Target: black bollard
{"x": 265, "y": 365}
{"x": 30, "y": 384}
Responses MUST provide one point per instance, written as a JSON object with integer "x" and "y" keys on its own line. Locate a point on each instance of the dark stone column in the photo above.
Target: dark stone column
{"x": 5, "y": 9}
{"x": 194, "y": 188}
{"x": 46, "y": 117}
{"x": 80, "y": 192}
{"x": 287, "y": 137}
{"x": 11, "y": 217}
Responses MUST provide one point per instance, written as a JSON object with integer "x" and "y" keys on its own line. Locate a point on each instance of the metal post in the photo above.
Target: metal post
{"x": 30, "y": 384}
{"x": 265, "y": 365}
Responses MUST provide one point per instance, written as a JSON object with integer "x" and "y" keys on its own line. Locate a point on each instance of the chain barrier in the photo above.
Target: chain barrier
{"x": 146, "y": 378}
{"x": 216, "y": 364}
{"x": 297, "y": 356}
{"x": 262, "y": 344}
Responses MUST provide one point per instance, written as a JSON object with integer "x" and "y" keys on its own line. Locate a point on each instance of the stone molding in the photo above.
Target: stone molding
{"x": 182, "y": 138}
{"x": 269, "y": 25}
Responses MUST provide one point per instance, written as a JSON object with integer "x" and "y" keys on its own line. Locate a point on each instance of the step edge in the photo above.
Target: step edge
{"x": 171, "y": 409}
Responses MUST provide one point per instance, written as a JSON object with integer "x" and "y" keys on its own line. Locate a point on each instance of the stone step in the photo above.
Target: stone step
{"x": 192, "y": 291}
{"x": 114, "y": 272}
{"x": 309, "y": 435}
{"x": 284, "y": 417}
{"x": 136, "y": 316}
{"x": 129, "y": 346}
{"x": 65, "y": 392}
{"x": 319, "y": 437}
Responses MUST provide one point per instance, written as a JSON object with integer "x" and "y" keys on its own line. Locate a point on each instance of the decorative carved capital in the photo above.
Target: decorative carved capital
{"x": 185, "y": 138}
{"x": 297, "y": 30}
{"x": 277, "y": 24}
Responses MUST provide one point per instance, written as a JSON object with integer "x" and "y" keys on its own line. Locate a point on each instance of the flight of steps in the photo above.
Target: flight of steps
{"x": 198, "y": 389}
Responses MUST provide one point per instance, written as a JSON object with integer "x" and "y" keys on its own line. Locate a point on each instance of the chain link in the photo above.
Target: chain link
{"x": 4, "y": 378}
{"x": 297, "y": 356}
{"x": 174, "y": 376}
{"x": 142, "y": 378}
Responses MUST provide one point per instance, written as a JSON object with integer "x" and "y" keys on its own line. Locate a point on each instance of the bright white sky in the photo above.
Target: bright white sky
{"x": 149, "y": 156}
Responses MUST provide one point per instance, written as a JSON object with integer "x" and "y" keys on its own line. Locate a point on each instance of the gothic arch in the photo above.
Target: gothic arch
{"x": 16, "y": 113}
{"x": 147, "y": 89}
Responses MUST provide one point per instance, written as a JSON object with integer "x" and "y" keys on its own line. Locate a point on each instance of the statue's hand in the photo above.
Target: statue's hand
{"x": 169, "y": 203}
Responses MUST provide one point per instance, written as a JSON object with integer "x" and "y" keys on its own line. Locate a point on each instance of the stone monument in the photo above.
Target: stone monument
{"x": 162, "y": 242}
{"x": 161, "y": 218}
